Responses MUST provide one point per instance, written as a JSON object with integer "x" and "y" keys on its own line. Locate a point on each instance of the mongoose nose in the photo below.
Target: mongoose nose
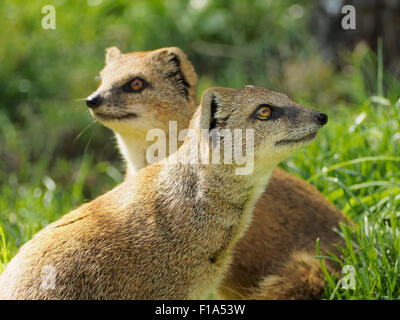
{"x": 321, "y": 118}
{"x": 94, "y": 102}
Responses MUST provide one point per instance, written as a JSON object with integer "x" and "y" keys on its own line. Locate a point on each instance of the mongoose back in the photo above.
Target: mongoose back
{"x": 169, "y": 233}
{"x": 275, "y": 257}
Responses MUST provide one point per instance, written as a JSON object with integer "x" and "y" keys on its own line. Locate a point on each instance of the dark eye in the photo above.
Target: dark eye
{"x": 137, "y": 84}
{"x": 264, "y": 112}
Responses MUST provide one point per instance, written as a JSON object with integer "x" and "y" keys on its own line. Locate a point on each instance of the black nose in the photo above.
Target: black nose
{"x": 94, "y": 102}
{"x": 321, "y": 118}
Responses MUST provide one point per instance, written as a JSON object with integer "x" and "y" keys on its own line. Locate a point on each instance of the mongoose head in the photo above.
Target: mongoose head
{"x": 280, "y": 125}
{"x": 139, "y": 91}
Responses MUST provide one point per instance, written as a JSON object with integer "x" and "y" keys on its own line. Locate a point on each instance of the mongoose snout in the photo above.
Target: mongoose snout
{"x": 321, "y": 118}
{"x": 94, "y": 101}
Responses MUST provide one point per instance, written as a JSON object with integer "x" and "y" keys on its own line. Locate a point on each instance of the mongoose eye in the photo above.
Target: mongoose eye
{"x": 264, "y": 112}
{"x": 137, "y": 84}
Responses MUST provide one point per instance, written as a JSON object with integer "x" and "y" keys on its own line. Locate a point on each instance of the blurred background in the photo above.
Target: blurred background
{"x": 54, "y": 157}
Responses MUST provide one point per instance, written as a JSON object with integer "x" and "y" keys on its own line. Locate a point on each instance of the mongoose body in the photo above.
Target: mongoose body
{"x": 168, "y": 233}
{"x": 289, "y": 216}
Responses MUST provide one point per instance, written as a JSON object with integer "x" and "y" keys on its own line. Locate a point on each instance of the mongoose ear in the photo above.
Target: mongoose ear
{"x": 112, "y": 53}
{"x": 217, "y": 106}
{"x": 210, "y": 105}
{"x": 176, "y": 69}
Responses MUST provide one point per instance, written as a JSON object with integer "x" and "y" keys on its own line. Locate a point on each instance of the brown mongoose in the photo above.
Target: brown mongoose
{"x": 275, "y": 257}
{"x": 169, "y": 233}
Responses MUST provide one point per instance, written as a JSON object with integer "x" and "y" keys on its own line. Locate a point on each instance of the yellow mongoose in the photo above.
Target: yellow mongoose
{"x": 275, "y": 257}
{"x": 169, "y": 233}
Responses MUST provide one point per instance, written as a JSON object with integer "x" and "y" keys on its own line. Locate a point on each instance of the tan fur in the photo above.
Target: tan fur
{"x": 169, "y": 233}
{"x": 285, "y": 225}
{"x": 154, "y": 107}
{"x": 288, "y": 218}
{"x": 299, "y": 278}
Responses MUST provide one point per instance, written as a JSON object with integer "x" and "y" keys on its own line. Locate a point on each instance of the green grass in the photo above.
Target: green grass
{"x": 353, "y": 164}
